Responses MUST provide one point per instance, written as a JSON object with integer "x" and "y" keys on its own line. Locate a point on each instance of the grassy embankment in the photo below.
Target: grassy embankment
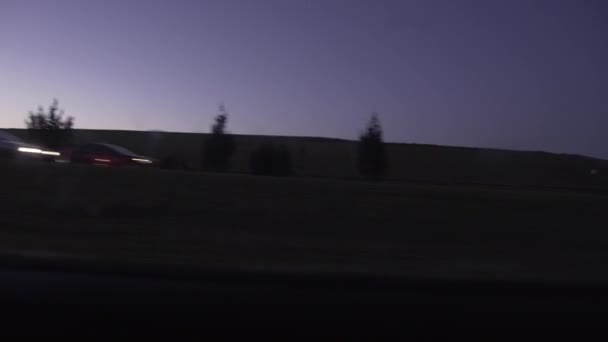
{"x": 212, "y": 220}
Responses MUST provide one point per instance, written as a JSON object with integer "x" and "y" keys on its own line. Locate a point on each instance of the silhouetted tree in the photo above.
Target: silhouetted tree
{"x": 219, "y": 147}
{"x": 371, "y": 155}
{"x": 271, "y": 160}
{"x": 50, "y": 129}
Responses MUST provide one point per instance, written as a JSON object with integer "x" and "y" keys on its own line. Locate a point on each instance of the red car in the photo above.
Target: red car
{"x": 106, "y": 155}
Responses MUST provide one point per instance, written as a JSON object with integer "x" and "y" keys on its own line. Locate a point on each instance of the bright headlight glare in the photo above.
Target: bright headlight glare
{"x": 140, "y": 160}
{"x": 29, "y": 150}
{"x": 51, "y": 153}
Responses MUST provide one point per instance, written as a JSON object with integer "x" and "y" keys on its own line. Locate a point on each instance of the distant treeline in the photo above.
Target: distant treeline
{"x": 336, "y": 158}
{"x": 369, "y": 157}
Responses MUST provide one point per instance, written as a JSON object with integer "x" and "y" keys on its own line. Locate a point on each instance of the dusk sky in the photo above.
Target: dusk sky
{"x": 519, "y": 74}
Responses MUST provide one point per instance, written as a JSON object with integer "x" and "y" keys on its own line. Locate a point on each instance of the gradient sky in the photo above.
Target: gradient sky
{"x": 519, "y": 74}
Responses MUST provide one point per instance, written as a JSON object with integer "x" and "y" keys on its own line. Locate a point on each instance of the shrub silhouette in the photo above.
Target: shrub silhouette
{"x": 271, "y": 160}
{"x": 219, "y": 147}
{"x": 50, "y": 129}
{"x": 371, "y": 154}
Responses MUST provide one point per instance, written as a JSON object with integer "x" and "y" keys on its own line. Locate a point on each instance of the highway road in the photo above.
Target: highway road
{"x": 54, "y": 296}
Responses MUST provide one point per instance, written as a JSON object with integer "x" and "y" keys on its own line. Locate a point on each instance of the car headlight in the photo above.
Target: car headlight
{"x": 142, "y": 160}
{"x": 38, "y": 151}
{"x": 29, "y": 150}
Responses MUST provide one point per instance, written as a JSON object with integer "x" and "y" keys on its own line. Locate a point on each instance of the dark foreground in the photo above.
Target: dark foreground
{"x": 307, "y": 225}
{"x": 207, "y": 254}
{"x": 59, "y": 297}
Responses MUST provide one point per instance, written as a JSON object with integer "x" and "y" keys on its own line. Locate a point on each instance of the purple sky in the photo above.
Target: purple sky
{"x": 518, "y": 74}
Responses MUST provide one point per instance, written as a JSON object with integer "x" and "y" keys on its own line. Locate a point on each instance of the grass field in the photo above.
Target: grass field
{"x": 298, "y": 224}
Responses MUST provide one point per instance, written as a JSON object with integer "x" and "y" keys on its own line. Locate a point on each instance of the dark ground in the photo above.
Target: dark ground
{"x": 260, "y": 223}
{"x": 61, "y": 297}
